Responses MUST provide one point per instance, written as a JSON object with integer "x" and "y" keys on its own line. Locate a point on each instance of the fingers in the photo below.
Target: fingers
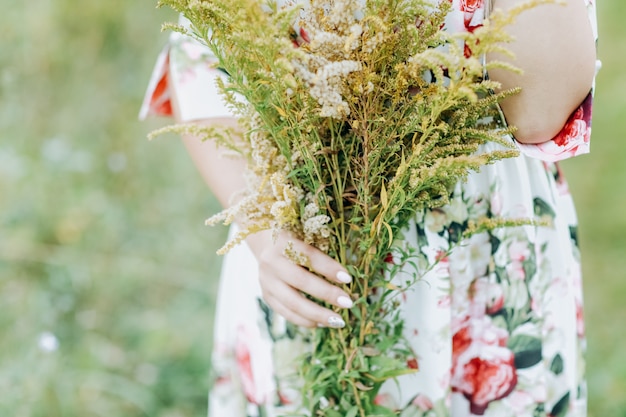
{"x": 288, "y": 314}
{"x": 302, "y": 280}
{"x": 322, "y": 263}
{"x": 283, "y": 284}
{"x": 294, "y": 307}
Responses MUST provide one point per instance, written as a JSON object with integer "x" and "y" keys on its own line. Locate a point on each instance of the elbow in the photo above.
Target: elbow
{"x": 539, "y": 132}
{"x": 540, "y": 118}
{"x": 545, "y": 127}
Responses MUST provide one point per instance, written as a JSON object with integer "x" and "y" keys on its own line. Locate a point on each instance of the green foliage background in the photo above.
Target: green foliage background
{"x": 102, "y": 241}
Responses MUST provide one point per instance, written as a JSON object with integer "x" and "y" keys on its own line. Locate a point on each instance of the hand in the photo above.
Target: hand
{"x": 283, "y": 282}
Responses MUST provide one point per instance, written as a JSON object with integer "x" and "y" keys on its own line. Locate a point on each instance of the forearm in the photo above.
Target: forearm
{"x": 555, "y": 49}
{"x": 222, "y": 173}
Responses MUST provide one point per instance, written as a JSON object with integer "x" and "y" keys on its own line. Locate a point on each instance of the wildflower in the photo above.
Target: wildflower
{"x": 48, "y": 342}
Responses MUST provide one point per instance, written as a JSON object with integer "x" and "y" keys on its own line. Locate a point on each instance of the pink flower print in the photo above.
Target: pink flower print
{"x": 422, "y": 402}
{"x": 496, "y": 203}
{"x": 495, "y": 299}
{"x": 242, "y": 354}
{"x": 193, "y": 50}
{"x": 521, "y": 402}
{"x": 442, "y": 267}
{"x": 580, "y": 323}
{"x": 385, "y": 400}
{"x": 518, "y": 253}
{"x": 254, "y": 374}
{"x": 444, "y": 302}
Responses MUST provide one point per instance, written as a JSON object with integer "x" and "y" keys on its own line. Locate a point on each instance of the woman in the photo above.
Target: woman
{"x": 498, "y": 328}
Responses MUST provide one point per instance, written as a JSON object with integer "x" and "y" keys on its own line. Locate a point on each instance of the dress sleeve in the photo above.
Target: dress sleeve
{"x": 573, "y": 139}
{"x": 183, "y": 82}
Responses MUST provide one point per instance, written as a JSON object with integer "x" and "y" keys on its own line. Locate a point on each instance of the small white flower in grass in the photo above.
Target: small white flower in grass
{"x": 48, "y": 342}
{"x": 324, "y": 402}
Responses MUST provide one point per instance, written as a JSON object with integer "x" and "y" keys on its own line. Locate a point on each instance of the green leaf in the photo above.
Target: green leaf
{"x": 557, "y": 364}
{"x": 500, "y": 274}
{"x": 455, "y": 231}
{"x": 380, "y": 411}
{"x": 527, "y": 350}
{"x": 352, "y": 412}
{"x": 383, "y": 196}
{"x": 495, "y": 244}
{"x": 573, "y": 233}
{"x": 411, "y": 411}
{"x": 560, "y": 408}
{"x": 530, "y": 267}
{"x": 542, "y": 208}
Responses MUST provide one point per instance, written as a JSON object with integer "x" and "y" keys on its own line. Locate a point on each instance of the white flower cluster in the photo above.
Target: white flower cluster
{"x": 315, "y": 225}
{"x": 326, "y": 85}
{"x": 271, "y": 200}
{"x": 335, "y": 32}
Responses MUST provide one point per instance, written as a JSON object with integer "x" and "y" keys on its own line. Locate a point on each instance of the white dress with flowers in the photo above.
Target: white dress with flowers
{"x": 497, "y": 326}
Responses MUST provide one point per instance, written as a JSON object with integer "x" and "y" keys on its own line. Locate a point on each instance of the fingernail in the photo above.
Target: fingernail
{"x": 336, "y": 322}
{"x": 344, "y": 277}
{"x": 344, "y": 301}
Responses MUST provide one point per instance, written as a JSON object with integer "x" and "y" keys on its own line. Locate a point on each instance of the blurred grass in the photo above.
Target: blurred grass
{"x": 598, "y": 183}
{"x": 102, "y": 243}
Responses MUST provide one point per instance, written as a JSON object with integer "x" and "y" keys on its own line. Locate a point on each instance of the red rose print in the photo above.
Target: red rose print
{"x": 412, "y": 363}
{"x": 389, "y": 258}
{"x": 495, "y": 304}
{"x": 461, "y": 341}
{"x": 304, "y": 35}
{"x": 160, "y": 101}
{"x": 577, "y": 128}
{"x": 483, "y": 368}
{"x": 573, "y": 130}
{"x": 471, "y": 5}
{"x": 467, "y": 52}
{"x": 488, "y": 379}
{"x": 469, "y": 8}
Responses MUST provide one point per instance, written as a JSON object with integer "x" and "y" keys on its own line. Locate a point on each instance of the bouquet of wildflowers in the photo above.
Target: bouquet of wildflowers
{"x": 357, "y": 115}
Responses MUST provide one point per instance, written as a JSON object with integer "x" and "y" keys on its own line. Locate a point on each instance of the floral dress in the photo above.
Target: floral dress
{"x": 496, "y": 326}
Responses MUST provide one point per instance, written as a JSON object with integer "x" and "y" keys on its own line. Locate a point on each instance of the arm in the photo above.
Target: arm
{"x": 555, "y": 48}
{"x": 281, "y": 281}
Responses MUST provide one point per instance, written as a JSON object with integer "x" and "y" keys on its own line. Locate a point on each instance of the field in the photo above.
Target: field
{"x": 107, "y": 273}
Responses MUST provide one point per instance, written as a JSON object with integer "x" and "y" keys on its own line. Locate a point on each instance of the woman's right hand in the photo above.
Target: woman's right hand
{"x": 283, "y": 282}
